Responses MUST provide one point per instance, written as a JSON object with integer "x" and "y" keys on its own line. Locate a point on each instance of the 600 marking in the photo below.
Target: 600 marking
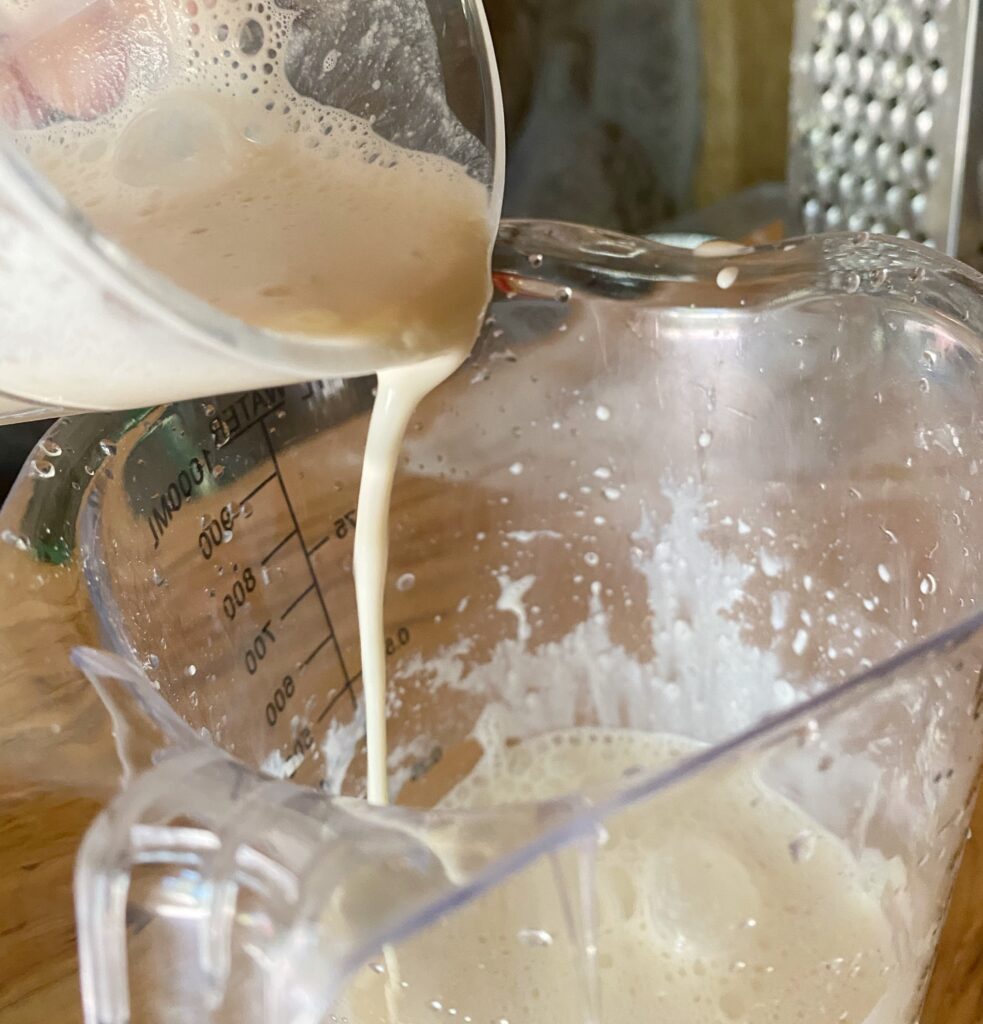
{"x": 278, "y": 702}
{"x": 259, "y": 648}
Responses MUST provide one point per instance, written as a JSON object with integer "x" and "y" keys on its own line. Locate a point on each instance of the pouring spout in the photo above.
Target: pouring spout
{"x": 144, "y": 725}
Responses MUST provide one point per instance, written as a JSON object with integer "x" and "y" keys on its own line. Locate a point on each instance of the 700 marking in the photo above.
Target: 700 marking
{"x": 259, "y": 648}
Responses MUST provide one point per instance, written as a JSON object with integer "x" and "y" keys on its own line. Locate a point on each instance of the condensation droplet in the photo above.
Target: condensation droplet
{"x": 534, "y": 937}
{"x": 191, "y": 670}
{"x": 50, "y": 448}
{"x": 603, "y": 413}
{"x": 107, "y": 447}
{"x": 42, "y": 468}
{"x": 151, "y": 661}
{"x": 884, "y": 572}
{"x": 17, "y": 540}
{"x": 704, "y": 439}
{"x": 516, "y": 469}
{"x": 928, "y": 584}
{"x": 726, "y": 277}
{"x": 406, "y": 582}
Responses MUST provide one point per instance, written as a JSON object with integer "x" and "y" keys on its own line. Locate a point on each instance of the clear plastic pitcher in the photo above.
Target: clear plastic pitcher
{"x": 729, "y": 502}
{"x": 84, "y": 325}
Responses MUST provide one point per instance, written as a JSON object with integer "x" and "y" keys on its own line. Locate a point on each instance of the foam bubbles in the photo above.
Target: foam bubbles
{"x": 282, "y": 211}
{"x": 703, "y": 915}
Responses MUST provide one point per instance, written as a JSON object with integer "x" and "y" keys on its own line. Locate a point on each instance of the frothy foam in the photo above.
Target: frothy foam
{"x": 717, "y": 902}
{"x": 194, "y": 150}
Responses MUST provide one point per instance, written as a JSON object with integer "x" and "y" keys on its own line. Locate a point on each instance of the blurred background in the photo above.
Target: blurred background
{"x": 631, "y": 114}
{"x": 627, "y": 114}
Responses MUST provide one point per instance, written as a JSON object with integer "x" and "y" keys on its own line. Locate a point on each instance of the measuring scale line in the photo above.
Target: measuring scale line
{"x": 310, "y": 657}
{"x": 288, "y": 537}
{"x": 350, "y": 688}
{"x": 252, "y": 494}
{"x": 296, "y": 601}
{"x": 271, "y": 448}
{"x": 320, "y": 544}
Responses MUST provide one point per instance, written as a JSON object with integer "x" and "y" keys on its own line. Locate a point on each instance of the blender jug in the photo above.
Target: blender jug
{"x": 85, "y": 325}
{"x": 715, "y": 517}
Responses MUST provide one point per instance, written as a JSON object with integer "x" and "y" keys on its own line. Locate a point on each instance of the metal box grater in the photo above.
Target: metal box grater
{"x": 884, "y": 135}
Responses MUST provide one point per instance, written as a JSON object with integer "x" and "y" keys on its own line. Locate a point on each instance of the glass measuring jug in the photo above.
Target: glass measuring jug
{"x": 87, "y": 325}
{"x": 732, "y": 500}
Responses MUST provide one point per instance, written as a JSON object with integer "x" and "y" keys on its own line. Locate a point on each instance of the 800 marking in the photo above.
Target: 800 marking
{"x": 237, "y": 597}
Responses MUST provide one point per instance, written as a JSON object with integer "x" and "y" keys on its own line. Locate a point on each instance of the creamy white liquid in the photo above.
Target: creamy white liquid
{"x": 718, "y": 902}
{"x": 400, "y": 391}
{"x": 292, "y": 216}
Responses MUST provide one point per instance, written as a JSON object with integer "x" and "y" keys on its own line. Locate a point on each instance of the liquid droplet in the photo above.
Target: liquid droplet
{"x": 535, "y": 260}
{"x": 151, "y": 662}
{"x": 406, "y": 582}
{"x": 50, "y": 448}
{"x": 17, "y": 540}
{"x": 928, "y": 584}
{"x": 436, "y": 1004}
{"x": 704, "y": 439}
{"x": 726, "y": 277}
{"x": 42, "y": 468}
{"x": 107, "y": 447}
{"x": 191, "y": 670}
{"x": 884, "y": 572}
{"x": 603, "y": 413}
{"x": 378, "y": 968}
{"x": 516, "y": 469}
{"x": 534, "y": 937}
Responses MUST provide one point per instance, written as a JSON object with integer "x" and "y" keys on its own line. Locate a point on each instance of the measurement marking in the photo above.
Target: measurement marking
{"x": 296, "y": 601}
{"x": 277, "y": 548}
{"x": 307, "y": 558}
{"x": 351, "y": 687}
{"x": 334, "y": 700}
{"x": 252, "y": 423}
{"x": 320, "y": 544}
{"x": 252, "y": 494}
{"x": 310, "y": 657}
